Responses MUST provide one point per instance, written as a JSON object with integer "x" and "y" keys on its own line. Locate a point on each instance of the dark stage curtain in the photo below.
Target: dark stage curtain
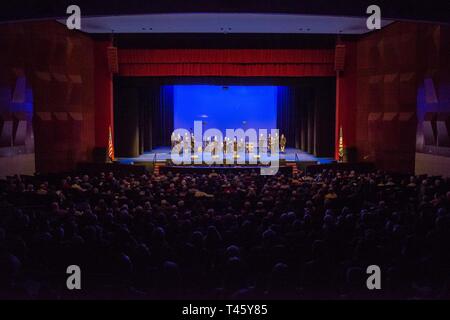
{"x": 148, "y": 99}
{"x": 143, "y": 119}
{"x": 156, "y": 117}
{"x": 306, "y": 116}
{"x": 162, "y": 117}
{"x": 126, "y": 122}
{"x": 287, "y": 115}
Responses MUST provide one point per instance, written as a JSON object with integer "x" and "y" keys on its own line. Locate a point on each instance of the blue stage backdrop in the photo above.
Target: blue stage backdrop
{"x": 225, "y": 107}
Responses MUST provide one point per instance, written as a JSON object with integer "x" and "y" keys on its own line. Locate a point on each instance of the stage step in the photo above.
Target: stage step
{"x": 157, "y": 166}
{"x": 293, "y": 165}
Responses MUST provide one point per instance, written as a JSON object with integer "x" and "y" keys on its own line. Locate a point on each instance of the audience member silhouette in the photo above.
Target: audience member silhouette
{"x": 225, "y": 235}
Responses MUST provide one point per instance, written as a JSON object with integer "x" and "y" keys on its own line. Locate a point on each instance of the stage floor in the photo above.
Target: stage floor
{"x": 163, "y": 154}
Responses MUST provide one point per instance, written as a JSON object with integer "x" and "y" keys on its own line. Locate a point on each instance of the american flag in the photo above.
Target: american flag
{"x": 110, "y": 146}
{"x": 341, "y": 145}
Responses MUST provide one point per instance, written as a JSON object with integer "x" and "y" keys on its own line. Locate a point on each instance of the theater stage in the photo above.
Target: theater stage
{"x": 162, "y": 154}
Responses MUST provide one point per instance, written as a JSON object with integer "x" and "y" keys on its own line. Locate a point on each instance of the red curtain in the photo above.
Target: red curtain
{"x": 226, "y": 62}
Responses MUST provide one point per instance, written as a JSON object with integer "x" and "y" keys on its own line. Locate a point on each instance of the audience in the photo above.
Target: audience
{"x": 225, "y": 236}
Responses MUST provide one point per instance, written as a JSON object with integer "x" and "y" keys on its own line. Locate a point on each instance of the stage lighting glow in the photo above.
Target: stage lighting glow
{"x": 236, "y": 107}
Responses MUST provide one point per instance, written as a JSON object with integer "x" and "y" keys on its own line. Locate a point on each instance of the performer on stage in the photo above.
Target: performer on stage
{"x": 173, "y": 139}
{"x": 186, "y": 141}
{"x": 192, "y": 142}
{"x": 261, "y": 142}
{"x": 282, "y": 142}
{"x": 224, "y": 145}
{"x": 215, "y": 146}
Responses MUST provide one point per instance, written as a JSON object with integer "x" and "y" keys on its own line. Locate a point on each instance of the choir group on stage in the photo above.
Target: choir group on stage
{"x": 228, "y": 144}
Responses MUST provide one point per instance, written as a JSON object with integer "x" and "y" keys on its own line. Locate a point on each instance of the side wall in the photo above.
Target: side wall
{"x": 433, "y": 106}
{"x": 392, "y": 67}
{"x": 59, "y": 67}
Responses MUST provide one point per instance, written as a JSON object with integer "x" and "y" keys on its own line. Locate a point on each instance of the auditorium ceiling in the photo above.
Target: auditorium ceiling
{"x": 226, "y": 23}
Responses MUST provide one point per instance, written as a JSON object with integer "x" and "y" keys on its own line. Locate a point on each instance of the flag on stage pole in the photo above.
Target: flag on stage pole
{"x": 110, "y": 146}
{"x": 341, "y": 145}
